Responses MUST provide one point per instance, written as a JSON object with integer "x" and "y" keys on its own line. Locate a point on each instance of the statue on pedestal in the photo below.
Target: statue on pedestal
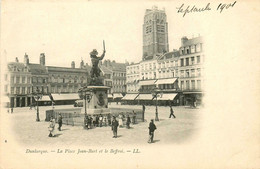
{"x": 95, "y": 70}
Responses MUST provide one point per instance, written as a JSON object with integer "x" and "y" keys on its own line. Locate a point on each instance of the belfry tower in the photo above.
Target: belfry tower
{"x": 155, "y": 33}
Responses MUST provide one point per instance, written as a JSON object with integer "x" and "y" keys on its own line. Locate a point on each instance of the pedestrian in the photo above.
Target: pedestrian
{"x": 86, "y": 122}
{"x": 109, "y": 119}
{"x": 97, "y": 119}
{"x": 59, "y": 121}
{"x": 120, "y": 118}
{"x": 52, "y": 127}
{"x": 128, "y": 121}
{"x": 114, "y": 127}
{"x": 12, "y": 109}
{"x": 152, "y": 128}
{"x": 105, "y": 120}
{"x": 171, "y": 110}
{"x": 143, "y": 112}
{"x": 100, "y": 120}
{"x": 89, "y": 122}
{"x": 134, "y": 117}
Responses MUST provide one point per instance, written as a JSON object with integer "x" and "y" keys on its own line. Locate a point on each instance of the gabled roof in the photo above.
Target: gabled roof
{"x": 105, "y": 70}
{"x": 193, "y": 41}
{"x": 18, "y": 65}
{"x": 169, "y": 55}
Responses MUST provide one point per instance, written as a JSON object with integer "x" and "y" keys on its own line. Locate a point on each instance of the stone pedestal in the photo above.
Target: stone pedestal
{"x": 98, "y": 104}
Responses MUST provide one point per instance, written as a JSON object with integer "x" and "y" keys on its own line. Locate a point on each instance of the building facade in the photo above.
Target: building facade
{"x": 23, "y": 80}
{"x": 115, "y": 73}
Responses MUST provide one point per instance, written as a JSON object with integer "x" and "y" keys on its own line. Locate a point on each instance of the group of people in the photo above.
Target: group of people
{"x": 97, "y": 121}
{"x": 51, "y": 127}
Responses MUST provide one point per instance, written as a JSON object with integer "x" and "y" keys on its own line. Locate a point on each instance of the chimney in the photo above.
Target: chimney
{"x": 73, "y": 64}
{"x": 183, "y": 40}
{"x": 42, "y": 59}
{"x": 16, "y": 59}
{"x": 26, "y": 59}
{"x": 81, "y": 64}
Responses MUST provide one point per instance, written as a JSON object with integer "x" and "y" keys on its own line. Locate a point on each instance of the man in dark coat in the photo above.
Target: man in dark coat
{"x": 60, "y": 121}
{"x": 114, "y": 126}
{"x": 128, "y": 121}
{"x": 171, "y": 113}
{"x": 143, "y": 112}
{"x": 152, "y": 128}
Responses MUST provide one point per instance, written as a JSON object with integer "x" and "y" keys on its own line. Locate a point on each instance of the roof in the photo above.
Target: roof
{"x": 193, "y": 41}
{"x": 113, "y": 66}
{"x": 169, "y": 55}
{"x": 66, "y": 69}
{"x": 37, "y": 68}
{"x": 105, "y": 70}
{"x": 17, "y": 64}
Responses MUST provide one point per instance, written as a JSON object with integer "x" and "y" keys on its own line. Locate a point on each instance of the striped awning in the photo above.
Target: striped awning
{"x": 117, "y": 95}
{"x": 166, "y": 81}
{"x": 144, "y": 97}
{"x": 70, "y": 96}
{"x": 130, "y": 97}
{"x": 110, "y": 96}
{"x": 45, "y": 98}
{"x": 167, "y": 96}
{"x": 147, "y": 82}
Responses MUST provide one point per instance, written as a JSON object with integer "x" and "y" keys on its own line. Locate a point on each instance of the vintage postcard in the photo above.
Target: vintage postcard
{"x": 129, "y": 84}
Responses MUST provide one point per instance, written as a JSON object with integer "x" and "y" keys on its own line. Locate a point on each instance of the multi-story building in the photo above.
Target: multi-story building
{"x": 19, "y": 84}
{"x": 25, "y": 79}
{"x": 177, "y": 75}
{"x": 191, "y": 69}
{"x": 117, "y": 73}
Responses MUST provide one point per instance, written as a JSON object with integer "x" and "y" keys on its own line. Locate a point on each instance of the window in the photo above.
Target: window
{"x": 182, "y": 73}
{"x": 28, "y": 80}
{"x": 17, "y": 79}
{"x": 199, "y": 84}
{"x": 23, "y": 79}
{"x": 187, "y": 61}
{"x": 182, "y": 85}
{"x": 187, "y": 85}
{"x": 17, "y": 90}
{"x": 192, "y": 60}
{"x": 198, "y": 48}
{"x": 12, "y": 79}
{"x": 198, "y": 59}
{"x": 28, "y": 90}
{"x": 188, "y": 51}
{"x": 23, "y": 90}
{"x": 187, "y": 73}
{"x": 6, "y": 77}
{"x": 182, "y": 62}
{"x": 34, "y": 80}
{"x": 43, "y": 80}
{"x": 192, "y": 72}
{"x": 193, "y": 84}
{"x": 198, "y": 72}
{"x": 12, "y": 90}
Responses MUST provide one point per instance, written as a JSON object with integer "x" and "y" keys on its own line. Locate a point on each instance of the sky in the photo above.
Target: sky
{"x": 69, "y": 30}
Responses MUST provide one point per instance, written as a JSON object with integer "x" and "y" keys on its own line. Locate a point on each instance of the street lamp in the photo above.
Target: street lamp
{"x": 37, "y": 96}
{"x": 155, "y": 95}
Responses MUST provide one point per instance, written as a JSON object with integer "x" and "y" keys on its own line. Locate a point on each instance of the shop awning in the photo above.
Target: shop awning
{"x": 45, "y": 98}
{"x": 147, "y": 82}
{"x": 110, "y": 96}
{"x": 167, "y": 96}
{"x": 71, "y": 96}
{"x": 144, "y": 97}
{"x": 166, "y": 81}
{"x": 117, "y": 95}
{"x": 130, "y": 97}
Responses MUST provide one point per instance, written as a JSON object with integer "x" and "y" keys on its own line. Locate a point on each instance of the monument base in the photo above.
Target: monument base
{"x": 98, "y": 111}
